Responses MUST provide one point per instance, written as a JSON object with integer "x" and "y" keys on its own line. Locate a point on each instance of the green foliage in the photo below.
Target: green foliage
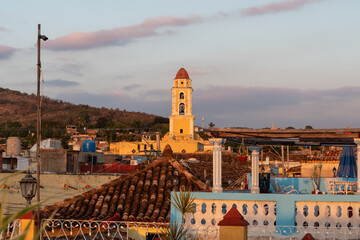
{"x": 128, "y": 138}
{"x": 84, "y": 120}
{"x": 160, "y": 127}
{"x": 160, "y": 120}
{"x": 175, "y": 232}
{"x": 316, "y": 175}
{"x": 136, "y": 124}
{"x": 211, "y": 125}
{"x": 10, "y": 124}
{"x": 204, "y": 136}
{"x": 103, "y": 122}
{"x": 183, "y": 202}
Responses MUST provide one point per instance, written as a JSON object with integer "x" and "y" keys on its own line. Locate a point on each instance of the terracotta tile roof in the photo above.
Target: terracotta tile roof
{"x": 202, "y": 168}
{"x": 140, "y": 196}
{"x": 182, "y": 74}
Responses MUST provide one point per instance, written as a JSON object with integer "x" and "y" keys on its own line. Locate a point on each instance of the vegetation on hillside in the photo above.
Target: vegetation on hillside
{"x": 18, "y": 118}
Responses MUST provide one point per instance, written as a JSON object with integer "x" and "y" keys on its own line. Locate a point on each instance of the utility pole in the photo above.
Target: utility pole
{"x": 288, "y": 156}
{"x": 38, "y": 113}
{"x": 282, "y": 160}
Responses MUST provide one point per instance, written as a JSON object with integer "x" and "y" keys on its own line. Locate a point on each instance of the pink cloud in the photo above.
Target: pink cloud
{"x": 2, "y": 29}
{"x": 276, "y": 7}
{"x": 118, "y": 36}
{"x": 6, "y": 52}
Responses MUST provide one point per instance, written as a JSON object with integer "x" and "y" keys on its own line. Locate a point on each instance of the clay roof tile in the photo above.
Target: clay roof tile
{"x": 182, "y": 74}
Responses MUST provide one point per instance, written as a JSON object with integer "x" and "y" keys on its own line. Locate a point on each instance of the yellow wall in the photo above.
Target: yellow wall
{"x": 177, "y": 143}
{"x": 183, "y": 124}
{"x": 233, "y": 232}
{"x": 28, "y": 225}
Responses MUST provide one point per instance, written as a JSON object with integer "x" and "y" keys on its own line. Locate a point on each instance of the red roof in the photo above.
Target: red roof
{"x": 308, "y": 236}
{"x": 182, "y": 74}
{"x": 233, "y": 218}
{"x": 141, "y": 196}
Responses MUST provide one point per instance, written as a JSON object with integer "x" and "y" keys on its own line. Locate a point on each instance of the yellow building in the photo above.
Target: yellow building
{"x": 181, "y": 136}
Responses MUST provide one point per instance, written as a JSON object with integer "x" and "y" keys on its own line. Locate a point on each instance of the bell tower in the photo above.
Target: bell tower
{"x": 181, "y": 118}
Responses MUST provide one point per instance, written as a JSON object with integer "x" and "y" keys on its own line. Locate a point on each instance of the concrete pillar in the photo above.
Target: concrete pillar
{"x": 217, "y": 157}
{"x": 255, "y": 168}
{"x": 171, "y": 132}
{"x": 357, "y": 142}
{"x": 158, "y": 142}
{"x": 283, "y": 160}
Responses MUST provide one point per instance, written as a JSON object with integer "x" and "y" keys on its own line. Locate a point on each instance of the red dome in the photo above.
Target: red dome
{"x": 182, "y": 74}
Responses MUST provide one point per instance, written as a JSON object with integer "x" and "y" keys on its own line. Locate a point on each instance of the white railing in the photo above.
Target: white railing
{"x": 337, "y": 215}
{"x": 211, "y": 212}
{"x": 57, "y": 229}
{"x": 12, "y": 231}
{"x": 206, "y": 232}
{"x": 291, "y": 232}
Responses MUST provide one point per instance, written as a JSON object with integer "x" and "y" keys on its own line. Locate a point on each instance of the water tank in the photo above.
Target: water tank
{"x": 13, "y": 146}
{"x": 89, "y": 146}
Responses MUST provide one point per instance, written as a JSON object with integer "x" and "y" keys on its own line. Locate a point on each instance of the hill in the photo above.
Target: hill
{"x": 21, "y": 107}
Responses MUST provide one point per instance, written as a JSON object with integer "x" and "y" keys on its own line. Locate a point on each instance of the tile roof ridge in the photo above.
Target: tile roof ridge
{"x": 188, "y": 175}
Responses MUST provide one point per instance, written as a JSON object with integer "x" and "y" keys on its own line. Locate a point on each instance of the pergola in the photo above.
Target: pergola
{"x": 309, "y": 137}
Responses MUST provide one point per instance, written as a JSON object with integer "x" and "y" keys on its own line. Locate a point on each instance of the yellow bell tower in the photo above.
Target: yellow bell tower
{"x": 181, "y": 118}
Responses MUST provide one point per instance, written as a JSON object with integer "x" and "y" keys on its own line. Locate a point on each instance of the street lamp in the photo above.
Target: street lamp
{"x": 334, "y": 171}
{"x": 28, "y": 188}
{"x": 38, "y": 112}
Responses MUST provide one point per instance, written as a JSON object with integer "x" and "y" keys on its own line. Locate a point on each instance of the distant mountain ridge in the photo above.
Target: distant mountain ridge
{"x": 20, "y": 107}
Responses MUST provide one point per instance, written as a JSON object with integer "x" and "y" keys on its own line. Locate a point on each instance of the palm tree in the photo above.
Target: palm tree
{"x": 184, "y": 203}
{"x": 211, "y": 125}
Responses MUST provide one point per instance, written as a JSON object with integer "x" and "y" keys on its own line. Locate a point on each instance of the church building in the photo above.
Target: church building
{"x": 181, "y": 136}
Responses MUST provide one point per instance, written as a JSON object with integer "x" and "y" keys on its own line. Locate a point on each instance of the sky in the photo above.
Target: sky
{"x": 253, "y": 63}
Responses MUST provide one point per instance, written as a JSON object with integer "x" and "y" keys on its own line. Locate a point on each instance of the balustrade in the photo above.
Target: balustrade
{"x": 78, "y": 229}
{"x": 209, "y": 213}
{"x": 278, "y": 216}
{"x": 12, "y": 231}
{"x": 341, "y": 215}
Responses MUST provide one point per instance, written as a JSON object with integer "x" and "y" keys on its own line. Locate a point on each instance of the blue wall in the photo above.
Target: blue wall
{"x": 285, "y": 211}
{"x": 302, "y": 185}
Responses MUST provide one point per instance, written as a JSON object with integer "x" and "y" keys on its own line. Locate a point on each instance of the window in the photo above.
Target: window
{"x": 181, "y": 95}
{"x": 181, "y": 131}
{"x": 182, "y": 109}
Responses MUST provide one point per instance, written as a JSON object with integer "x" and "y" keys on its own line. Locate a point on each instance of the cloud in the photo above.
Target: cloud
{"x": 2, "y": 29}
{"x": 6, "y": 52}
{"x": 159, "y": 93}
{"x": 131, "y": 87}
{"x": 123, "y": 76}
{"x": 231, "y": 106}
{"x": 119, "y": 35}
{"x": 276, "y": 7}
{"x": 72, "y": 68}
{"x": 61, "y": 83}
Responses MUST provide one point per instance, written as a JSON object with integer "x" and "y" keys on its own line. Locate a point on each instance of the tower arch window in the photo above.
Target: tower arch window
{"x": 182, "y": 96}
{"x": 182, "y": 109}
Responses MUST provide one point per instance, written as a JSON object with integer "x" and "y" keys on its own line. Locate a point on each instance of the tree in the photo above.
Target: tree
{"x": 211, "y": 125}
{"x": 84, "y": 120}
{"x": 136, "y": 124}
{"x": 308, "y": 127}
